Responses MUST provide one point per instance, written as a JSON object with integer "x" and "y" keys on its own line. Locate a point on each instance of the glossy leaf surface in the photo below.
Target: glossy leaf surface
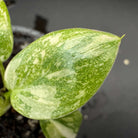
{"x": 6, "y": 37}
{"x": 60, "y": 72}
{"x": 65, "y": 127}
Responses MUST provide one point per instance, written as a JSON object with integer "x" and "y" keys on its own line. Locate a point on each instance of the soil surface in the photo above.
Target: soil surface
{"x": 12, "y": 124}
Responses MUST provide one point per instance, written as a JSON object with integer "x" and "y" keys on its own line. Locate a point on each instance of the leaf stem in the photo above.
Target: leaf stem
{"x": 4, "y": 102}
{"x": 2, "y": 71}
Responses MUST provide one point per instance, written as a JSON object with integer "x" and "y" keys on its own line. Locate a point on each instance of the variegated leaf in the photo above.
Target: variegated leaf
{"x": 60, "y": 72}
{"x": 65, "y": 127}
{"x": 6, "y": 37}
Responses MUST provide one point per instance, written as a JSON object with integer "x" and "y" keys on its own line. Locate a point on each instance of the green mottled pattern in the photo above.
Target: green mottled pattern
{"x": 6, "y": 37}
{"x": 60, "y": 72}
{"x": 66, "y": 127}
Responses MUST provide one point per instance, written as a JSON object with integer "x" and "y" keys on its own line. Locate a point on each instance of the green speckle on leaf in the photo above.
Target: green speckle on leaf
{"x": 6, "y": 36}
{"x": 60, "y": 72}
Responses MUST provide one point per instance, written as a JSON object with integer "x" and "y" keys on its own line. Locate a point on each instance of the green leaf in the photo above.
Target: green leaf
{"x": 4, "y": 103}
{"x": 60, "y": 72}
{"x": 66, "y": 127}
{"x": 6, "y": 36}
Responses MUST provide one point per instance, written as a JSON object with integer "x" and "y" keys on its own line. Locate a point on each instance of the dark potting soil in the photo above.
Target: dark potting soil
{"x": 12, "y": 124}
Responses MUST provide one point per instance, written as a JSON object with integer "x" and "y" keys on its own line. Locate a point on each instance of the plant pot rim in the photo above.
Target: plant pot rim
{"x": 27, "y": 31}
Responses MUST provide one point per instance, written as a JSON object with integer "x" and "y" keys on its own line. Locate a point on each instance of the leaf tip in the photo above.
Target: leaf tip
{"x": 122, "y": 36}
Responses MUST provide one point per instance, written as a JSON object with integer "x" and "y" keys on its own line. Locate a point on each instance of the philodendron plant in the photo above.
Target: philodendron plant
{"x": 55, "y": 75}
